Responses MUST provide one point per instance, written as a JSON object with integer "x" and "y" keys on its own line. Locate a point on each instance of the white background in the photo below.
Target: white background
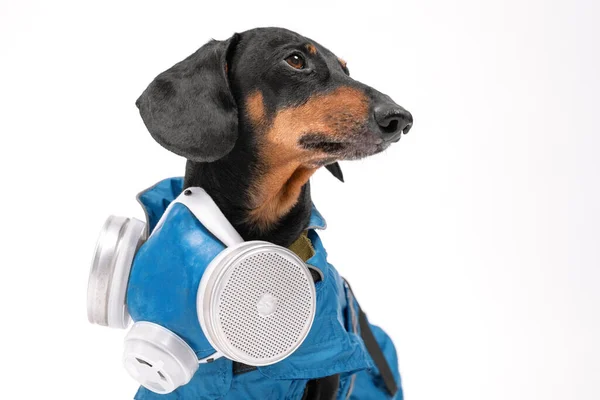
{"x": 474, "y": 241}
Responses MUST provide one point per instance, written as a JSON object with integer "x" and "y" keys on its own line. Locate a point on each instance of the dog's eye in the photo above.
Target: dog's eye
{"x": 296, "y": 61}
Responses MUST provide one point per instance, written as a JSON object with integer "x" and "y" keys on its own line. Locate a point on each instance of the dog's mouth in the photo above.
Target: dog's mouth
{"x": 348, "y": 148}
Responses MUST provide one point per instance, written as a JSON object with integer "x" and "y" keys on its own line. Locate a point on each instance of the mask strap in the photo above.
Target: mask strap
{"x": 207, "y": 212}
{"x": 214, "y": 356}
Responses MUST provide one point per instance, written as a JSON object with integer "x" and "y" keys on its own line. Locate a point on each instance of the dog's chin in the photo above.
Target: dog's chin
{"x": 353, "y": 147}
{"x": 350, "y": 151}
{"x": 360, "y": 150}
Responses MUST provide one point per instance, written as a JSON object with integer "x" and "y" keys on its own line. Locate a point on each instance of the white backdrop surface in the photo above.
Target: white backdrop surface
{"x": 474, "y": 242}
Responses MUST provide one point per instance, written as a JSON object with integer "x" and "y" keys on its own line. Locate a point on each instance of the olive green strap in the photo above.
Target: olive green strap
{"x": 303, "y": 247}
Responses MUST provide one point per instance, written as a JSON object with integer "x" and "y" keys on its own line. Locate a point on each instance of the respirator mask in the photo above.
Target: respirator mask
{"x": 255, "y": 303}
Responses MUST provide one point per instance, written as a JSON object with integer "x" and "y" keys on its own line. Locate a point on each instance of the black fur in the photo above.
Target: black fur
{"x": 189, "y": 109}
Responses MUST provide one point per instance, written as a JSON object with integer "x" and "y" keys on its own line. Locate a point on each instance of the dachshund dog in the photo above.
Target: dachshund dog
{"x": 255, "y": 116}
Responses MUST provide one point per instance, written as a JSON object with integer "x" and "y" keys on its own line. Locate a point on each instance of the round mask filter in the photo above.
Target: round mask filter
{"x": 157, "y": 358}
{"x": 109, "y": 273}
{"x": 256, "y": 303}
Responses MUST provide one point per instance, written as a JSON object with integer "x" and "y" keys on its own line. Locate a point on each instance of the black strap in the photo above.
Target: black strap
{"x": 239, "y": 368}
{"x": 376, "y": 354}
{"x": 373, "y": 348}
{"x": 322, "y": 389}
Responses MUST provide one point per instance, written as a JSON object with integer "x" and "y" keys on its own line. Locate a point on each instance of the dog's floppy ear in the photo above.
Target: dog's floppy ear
{"x": 335, "y": 171}
{"x": 189, "y": 108}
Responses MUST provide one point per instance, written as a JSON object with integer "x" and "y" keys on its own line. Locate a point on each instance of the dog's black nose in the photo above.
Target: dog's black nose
{"x": 392, "y": 120}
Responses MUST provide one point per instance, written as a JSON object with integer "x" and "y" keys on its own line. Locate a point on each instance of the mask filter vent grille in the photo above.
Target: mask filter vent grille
{"x": 266, "y": 306}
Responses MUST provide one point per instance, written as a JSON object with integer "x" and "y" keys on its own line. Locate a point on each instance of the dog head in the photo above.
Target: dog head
{"x": 295, "y": 96}
{"x": 275, "y": 98}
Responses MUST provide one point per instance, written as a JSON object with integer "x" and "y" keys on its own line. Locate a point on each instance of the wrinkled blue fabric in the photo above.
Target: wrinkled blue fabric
{"x": 162, "y": 289}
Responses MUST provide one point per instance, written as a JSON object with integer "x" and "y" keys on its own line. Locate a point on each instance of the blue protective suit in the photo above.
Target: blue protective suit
{"x": 162, "y": 288}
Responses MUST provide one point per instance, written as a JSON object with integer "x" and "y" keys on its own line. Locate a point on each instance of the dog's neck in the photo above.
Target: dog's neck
{"x": 284, "y": 200}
